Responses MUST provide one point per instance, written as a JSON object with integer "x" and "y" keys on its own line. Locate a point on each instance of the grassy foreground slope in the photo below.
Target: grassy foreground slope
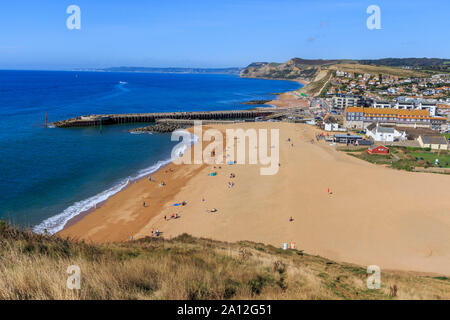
{"x": 34, "y": 267}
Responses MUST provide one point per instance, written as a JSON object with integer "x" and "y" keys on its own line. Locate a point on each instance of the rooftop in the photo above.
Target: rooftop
{"x": 375, "y": 112}
{"x": 434, "y": 139}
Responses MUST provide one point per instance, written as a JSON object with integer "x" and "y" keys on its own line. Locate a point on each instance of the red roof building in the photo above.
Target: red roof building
{"x": 378, "y": 150}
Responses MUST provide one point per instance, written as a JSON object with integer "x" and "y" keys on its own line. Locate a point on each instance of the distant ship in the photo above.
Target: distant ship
{"x": 123, "y": 82}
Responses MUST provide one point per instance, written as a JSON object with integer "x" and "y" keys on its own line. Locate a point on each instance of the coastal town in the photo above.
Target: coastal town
{"x": 373, "y": 114}
{"x": 225, "y": 158}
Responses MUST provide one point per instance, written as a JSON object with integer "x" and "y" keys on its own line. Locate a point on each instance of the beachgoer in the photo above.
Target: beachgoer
{"x": 291, "y": 219}
{"x": 143, "y": 204}
{"x": 149, "y": 178}
{"x": 165, "y": 218}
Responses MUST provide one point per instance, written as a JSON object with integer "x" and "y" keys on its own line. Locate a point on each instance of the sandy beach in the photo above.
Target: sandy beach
{"x": 289, "y": 100}
{"x": 372, "y": 214}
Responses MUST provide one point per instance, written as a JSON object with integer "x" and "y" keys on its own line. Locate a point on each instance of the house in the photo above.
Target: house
{"x": 381, "y": 104}
{"x": 364, "y": 142}
{"x": 331, "y": 124}
{"x": 435, "y": 142}
{"x": 360, "y": 118}
{"x": 347, "y": 138}
{"x": 387, "y": 134}
{"x": 378, "y": 150}
{"x": 342, "y": 101}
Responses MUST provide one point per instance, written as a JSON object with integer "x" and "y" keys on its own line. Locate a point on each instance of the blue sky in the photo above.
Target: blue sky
{"x": 215, "y": 33}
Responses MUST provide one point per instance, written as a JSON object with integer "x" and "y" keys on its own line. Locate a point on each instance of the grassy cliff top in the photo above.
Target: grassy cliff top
{"x": 34, "y": 267}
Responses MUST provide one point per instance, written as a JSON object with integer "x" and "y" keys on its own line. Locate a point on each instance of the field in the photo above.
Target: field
{"x": 362, "y": 68}
{"x": 34, "y": 267}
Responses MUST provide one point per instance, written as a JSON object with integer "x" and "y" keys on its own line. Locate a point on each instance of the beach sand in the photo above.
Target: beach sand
{"x": 289, "y": 100}
{"x": 373, "y": 215}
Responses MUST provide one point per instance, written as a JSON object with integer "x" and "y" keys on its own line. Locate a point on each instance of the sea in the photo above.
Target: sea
{"x": 49, "y": 175}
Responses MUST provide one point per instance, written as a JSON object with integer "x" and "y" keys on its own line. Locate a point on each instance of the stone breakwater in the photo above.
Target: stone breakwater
{"x": 98, "y": 120}
{"x": 170, "y": 125}
{"x": 160, "y": 128}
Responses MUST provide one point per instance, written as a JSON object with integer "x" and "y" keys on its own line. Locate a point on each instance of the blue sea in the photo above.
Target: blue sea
{"x": 49, "y": 175}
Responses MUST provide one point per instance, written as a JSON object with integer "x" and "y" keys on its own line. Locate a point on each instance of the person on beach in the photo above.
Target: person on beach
{"x": 149, "y": 178}
{"x": 143, "y": 204}
{"x": 165, "y": 218}
{"x": 291, "y": 219}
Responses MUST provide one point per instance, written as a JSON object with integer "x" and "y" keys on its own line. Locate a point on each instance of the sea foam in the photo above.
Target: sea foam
{"x": 56, "y": 223}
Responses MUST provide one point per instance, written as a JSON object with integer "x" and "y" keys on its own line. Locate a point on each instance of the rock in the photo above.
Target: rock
{"x": 160, "y": 128}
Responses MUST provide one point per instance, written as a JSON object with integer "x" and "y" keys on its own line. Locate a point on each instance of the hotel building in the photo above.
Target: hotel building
{"x": 360, "y": 118}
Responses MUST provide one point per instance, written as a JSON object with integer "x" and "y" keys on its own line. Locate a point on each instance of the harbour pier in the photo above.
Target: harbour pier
{"x": 97, "y": 120}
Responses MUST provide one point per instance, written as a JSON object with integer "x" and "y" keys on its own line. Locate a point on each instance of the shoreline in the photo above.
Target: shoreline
{"x": 404, "y": 231}
{"x": 95, "y": 217}
{"x": 73, "y": 220}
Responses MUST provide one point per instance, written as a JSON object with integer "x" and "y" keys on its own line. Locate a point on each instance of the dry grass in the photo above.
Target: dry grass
{"x": 363, "y": 68}
{"x": 315, "y": 87}
{"x": 34, "y": 267}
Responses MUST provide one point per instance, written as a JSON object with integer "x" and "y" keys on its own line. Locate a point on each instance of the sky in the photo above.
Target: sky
{"x": 216, "y": 33}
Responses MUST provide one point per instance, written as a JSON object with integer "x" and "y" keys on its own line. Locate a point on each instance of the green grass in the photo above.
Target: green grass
{"x": 373, "y": 158}
{"x": 406, "y": 158}
{"x": 444, "y": 159}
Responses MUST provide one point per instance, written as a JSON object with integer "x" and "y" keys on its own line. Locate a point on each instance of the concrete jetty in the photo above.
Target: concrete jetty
{"x": 97, "y": 120}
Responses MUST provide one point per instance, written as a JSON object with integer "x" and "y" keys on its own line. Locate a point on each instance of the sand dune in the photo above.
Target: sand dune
{"x": 375, "y": 215}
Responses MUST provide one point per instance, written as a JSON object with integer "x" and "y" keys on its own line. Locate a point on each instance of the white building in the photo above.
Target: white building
{"x": 431, "y": 107}
{"x": 405, "y": 105}
{"x": 384, "y": 134}
{"x": 381, "y": 104}
{"x": 333, "y": 127}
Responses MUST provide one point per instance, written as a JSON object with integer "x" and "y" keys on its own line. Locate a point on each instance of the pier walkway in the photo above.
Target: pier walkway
{"x": 97, "y": 120}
